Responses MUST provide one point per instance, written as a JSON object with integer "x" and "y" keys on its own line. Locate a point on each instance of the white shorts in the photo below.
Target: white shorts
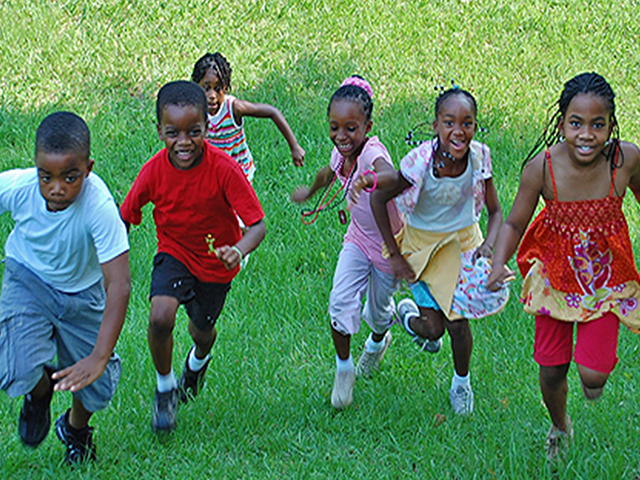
{"x": 354, "y": 278}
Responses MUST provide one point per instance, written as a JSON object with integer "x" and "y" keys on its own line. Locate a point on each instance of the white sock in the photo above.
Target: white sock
{"x": 195, "y": 363}
{"x": 166, "y": 382}
{"x": 344, "y": 365}
{"x": 372, "y": 346}
{"x": 458, "y": 381}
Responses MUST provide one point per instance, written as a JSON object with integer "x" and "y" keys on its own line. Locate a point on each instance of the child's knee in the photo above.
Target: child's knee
{"x": 592, "y": 382}
{"x": 161, "y": 322}
{"x": 429, "y": 324}
{"x": 553, "y": 375}
{"x": 591, "y": 393}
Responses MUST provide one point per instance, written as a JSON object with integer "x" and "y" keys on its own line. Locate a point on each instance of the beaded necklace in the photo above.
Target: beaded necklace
{"x": 322, "y": 204}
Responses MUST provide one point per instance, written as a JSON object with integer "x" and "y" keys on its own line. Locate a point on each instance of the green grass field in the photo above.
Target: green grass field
{"x": 265, "y": 411}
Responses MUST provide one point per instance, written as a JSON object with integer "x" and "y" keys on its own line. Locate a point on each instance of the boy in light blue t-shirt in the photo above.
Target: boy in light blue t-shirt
{"x": 65, "y": 289}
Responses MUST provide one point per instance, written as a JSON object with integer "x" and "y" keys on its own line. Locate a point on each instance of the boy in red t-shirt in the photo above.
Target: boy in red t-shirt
{"x": 198, "y": 193}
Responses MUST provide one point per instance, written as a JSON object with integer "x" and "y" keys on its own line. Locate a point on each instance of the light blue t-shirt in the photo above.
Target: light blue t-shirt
{"x": 63, "y": 248}
{"x": 445, "y": 204}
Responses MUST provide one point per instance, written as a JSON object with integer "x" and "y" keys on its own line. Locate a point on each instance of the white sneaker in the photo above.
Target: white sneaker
{"x": 462, "y": 400}
{"x": 342, "y": 394}
{"x": 407, "y": 309}
{"x": 369, "y": 361}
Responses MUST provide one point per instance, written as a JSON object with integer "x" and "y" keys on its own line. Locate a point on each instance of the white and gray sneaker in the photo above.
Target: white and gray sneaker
{"x": 342, "y": 394}
{"x": 369, "y": 361}
{"x": 461, "y": 399}
{"x": 407, "y": 309}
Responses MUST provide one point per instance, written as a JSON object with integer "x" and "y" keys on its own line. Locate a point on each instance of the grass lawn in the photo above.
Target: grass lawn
{"x": 265, "y": 411}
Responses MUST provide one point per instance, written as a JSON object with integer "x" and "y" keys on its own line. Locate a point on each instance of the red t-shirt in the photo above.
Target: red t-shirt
{"x": 195, "y": 210}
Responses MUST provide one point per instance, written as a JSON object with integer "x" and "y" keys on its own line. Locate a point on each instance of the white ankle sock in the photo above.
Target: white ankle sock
{"x": 458, "y": 381}
{"x": 344, "y": 365}
{"x": 166, "y": 382}
{"x": 195, "y": 363}
{"x": 372, "y": 346}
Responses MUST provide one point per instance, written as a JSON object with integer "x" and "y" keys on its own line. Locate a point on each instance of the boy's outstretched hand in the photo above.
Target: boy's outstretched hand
{"x": 229, "y": 256}
{"x": 80, "y": 374}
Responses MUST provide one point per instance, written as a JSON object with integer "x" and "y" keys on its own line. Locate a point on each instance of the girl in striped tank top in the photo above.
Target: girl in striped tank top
{"x": 226, "y": 113}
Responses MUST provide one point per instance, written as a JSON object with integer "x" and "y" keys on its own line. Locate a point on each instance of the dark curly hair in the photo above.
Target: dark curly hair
{"x": 218, "y": 63}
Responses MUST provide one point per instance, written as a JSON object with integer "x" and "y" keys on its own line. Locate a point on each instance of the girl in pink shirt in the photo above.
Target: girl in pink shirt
{"x": 361, "y": 270}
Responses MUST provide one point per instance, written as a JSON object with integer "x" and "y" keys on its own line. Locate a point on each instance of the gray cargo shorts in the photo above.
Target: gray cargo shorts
{"x": 38, "y": 321}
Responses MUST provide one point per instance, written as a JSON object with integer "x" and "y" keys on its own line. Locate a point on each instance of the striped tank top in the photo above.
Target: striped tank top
{"x": 224, "y": 133}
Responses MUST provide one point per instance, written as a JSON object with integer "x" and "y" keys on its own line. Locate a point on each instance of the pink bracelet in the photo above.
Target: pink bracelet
{"x": 375, "y": 180}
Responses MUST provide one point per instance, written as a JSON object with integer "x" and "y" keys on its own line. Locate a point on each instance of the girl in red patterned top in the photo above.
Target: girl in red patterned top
{"x": 575, "y": 257}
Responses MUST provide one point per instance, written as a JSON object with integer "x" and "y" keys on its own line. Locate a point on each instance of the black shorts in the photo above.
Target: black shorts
{"x": 203, "y": 301}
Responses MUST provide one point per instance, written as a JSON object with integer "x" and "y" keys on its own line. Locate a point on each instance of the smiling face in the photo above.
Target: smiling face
{"x": 455, "y": 126}
{"x": 61, "y": 176}
{"x": 214, "y": 90}
{"x": 586, "y": 127}
{"x": 182, "y": 129}
{"x": 348, "y": 127}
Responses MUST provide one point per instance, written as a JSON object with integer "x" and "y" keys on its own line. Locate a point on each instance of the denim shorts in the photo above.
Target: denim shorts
{"x": 202, "y": 300}
{"x": 38, "y": 321}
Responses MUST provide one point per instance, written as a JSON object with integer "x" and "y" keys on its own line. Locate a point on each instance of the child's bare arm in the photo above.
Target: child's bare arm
{"x": 323, "y": 177}
{"x": 394, "y": 185}
{"x": 514, "y": 226}
{"x": 380, "y": 178}
{"x": 494, "y": 222}
{"x": 632, "y": 160}
{"x": 242, "y": 108}
{"x": 117, "y": 284}
{"x": 231, "y": 256}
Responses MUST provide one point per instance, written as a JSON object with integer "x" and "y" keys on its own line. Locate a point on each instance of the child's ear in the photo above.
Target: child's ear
{"x": 159, "y": 127}
{"x": 90, "y": 164}
{"x": 368, "y": 127}
{"x": 561, "y": 126}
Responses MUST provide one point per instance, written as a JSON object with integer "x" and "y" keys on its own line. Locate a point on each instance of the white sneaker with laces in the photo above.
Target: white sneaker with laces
{"x": 461, "y": 400}
{"x": 369, "y": 361}
{"x": 407, "y": 309}
{"x": 342, "y": 394}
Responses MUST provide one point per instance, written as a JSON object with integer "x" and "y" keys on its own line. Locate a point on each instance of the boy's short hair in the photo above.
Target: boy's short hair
{"x": 181, "y": 93}
{"x": 63, "y": 132}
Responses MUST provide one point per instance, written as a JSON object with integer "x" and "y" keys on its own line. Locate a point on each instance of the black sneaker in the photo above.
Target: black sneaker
{"x": 191, "y": 382}
{"x": 165, "y": 410}
{"x": 35, "y": 417}
{"x": 79, "y": 443}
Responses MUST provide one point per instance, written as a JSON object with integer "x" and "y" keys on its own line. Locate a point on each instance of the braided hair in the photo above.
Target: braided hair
{"x": 451, "y": 92}
{"x": 354, "y": 93}
{"x": 585, "y": 83}
{"x": 218, "y": 63}
{"x": 419, "y": 131}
